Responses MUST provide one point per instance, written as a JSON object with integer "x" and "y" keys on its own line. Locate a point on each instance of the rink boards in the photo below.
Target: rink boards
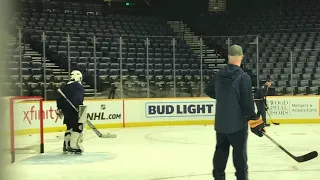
{"x": 106, "y": 113}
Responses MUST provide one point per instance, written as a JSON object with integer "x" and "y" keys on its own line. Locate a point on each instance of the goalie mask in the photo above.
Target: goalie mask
{"x": 76, "y": 76}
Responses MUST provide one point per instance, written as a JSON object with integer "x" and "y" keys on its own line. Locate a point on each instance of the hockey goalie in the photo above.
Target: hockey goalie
{"x": 75, "y": 120}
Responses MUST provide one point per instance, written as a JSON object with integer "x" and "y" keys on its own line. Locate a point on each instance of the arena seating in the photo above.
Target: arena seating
{"x": 107, "y": 29}
{"x": 32, "y": 72}
{"x": 9, "y": 81}
{"x": 295, "y": 29}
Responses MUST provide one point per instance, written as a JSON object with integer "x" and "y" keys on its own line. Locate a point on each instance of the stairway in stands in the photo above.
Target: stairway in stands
{"x": 57, "y": 72}
{"x": 210, "y": 57}
{"x": 217, "y": 5}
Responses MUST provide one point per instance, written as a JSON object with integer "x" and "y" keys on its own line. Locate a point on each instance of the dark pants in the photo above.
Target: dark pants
{"x": 261, "y": 111}
{"x": 238, "y": 141}
{"x": 73, "y": 124}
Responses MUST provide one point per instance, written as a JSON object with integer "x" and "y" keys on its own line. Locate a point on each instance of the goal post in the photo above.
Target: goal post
{"x": 15, "y": 116}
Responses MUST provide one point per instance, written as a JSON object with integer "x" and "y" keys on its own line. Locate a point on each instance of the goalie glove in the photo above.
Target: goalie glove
{"x": 59, "y": 113}
{"x": 257, "y": 126}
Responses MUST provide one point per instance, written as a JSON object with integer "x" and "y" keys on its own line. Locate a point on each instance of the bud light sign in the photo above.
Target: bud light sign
{"x": 179, "y": 109}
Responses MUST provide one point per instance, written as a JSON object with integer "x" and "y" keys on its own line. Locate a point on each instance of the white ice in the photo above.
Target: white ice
{"x": 175, "y": 153}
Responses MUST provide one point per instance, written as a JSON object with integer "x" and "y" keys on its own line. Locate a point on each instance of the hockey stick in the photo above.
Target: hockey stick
{"x": 271, "y": 119}
{"x": 88, "y": 122}
{"x": 268, "y": 113}
{"x": 299, "y": 159}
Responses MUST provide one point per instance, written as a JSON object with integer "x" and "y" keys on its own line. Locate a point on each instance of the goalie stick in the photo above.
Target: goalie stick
{"x": 88, "y": 122}
{"x": 300, "y": 159}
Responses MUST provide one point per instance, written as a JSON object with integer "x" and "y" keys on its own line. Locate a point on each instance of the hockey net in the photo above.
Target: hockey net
{"x": 23, "y": 126}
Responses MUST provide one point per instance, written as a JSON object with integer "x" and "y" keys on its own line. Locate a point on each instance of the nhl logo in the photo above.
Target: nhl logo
{"x": 103, "y": 106}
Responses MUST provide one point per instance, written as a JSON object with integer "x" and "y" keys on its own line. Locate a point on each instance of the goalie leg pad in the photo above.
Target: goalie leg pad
{"x": 75, "y": 142}
{"x": 77, "y": 138}
{"x": 67, "y": 137}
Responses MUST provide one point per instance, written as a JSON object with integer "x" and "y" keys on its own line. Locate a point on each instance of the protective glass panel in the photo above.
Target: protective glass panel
{"x": 214, "y": 56}
{"x": 110, "y": 56}
{"x": 276, "y": 62}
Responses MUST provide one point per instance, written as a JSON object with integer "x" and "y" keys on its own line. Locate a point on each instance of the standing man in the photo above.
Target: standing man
{"x": 232, "y": 89}
{"x": 260, "y": 98}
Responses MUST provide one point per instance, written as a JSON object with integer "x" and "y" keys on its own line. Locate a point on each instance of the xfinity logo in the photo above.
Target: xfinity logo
{"x": 33, "y": 114}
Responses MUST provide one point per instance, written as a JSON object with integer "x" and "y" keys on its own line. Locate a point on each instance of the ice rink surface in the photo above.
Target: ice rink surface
{"x": 169, "y": 153}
